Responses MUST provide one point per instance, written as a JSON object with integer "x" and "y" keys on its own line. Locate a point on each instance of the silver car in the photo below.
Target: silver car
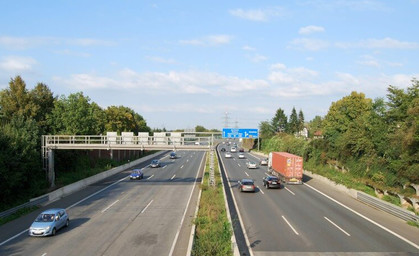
{"x": 247, "y": 185}
{"x": 251, "y": 165}
{"x": 155, "y": 163}
{"x": 49, "y": 222}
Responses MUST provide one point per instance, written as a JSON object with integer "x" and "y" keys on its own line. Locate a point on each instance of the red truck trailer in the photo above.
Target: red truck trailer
{"x": 286, "y": 166}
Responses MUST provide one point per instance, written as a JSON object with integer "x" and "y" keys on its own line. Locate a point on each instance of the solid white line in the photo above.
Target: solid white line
{"x": 173, "y": 177}
{"x": 364, "y": 217}
{"x": 290, "y": 191}
{"x": 238, "y": 212}
{"x": 295, "y": 231}
{"x": 247, "y": 174}
{"x": 71, "y": 206}
{"x": 341, "y": 229}
{"x": 145, "y": 208}
{"x": 261, "y": 191}
{"x": 150, "y": 177}
{"x": 107, "y": 208}
{"x": 186, "y": 209}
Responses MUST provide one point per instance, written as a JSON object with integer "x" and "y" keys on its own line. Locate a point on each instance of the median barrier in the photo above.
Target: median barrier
{"x": 74, "y": 187}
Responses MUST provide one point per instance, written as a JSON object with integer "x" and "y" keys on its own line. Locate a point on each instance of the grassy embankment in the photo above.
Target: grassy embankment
{"x": 213, "y": 229}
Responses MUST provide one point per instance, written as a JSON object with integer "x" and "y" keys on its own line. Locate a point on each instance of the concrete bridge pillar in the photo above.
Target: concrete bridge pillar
{"x": 51, "y": 170}
{"x": 416, "y": 187}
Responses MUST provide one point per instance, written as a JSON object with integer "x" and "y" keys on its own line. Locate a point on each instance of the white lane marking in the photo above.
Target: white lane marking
{"x": 45, "y": 254}
{"x": 181, "y": 167}
{"x": 150, "y": 177}
{"x": 187, "y": 160}
{"x": 290, "y": 191}
{"x": 247, "y": 174}
{"x": 186, "y": 209}
{"x": 71, "y": 206}
{"x": 261, "y": 191}
{"x": 164, "y": 166}
{"x": 293, "y": 229}
{"x": 173, "y": 177}
{"x": 145, "y": 208}
{"x": 334, "y": 224}
{"x": 364, "y": 217}
{"x": 239, "y": 165}
{"x": 107, "y": 208}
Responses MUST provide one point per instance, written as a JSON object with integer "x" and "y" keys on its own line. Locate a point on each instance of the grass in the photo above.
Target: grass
{"x": 213, "y": 230}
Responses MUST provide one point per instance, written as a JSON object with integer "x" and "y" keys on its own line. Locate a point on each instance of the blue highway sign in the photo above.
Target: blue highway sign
{"x": 240, "y": 133}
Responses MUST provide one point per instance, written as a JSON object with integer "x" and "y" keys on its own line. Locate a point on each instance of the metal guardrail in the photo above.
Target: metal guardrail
{"x": 387, "y": 207}
{"x": 32, "y": 202}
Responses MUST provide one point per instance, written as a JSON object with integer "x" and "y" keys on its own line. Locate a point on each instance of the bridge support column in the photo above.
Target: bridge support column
{"x": 51, "y": 171}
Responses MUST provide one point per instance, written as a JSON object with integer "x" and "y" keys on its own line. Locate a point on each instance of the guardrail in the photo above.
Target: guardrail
{"x": 33, "y": 202}
{"x": 387, "y": 207}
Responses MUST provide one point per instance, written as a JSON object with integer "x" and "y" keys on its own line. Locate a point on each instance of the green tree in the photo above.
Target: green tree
{"x": 266, "y": 130}
{"x": 344, "y": 125}
{"x": 315, "y": 125}
{"x": 293, "y": 123}
{"x": 124, "y": 119}
{"x": 300, "y": 120}
{"x": 75, "y": 115}
{"x": 15, "y": 100}
{"x": 279, "y": 121}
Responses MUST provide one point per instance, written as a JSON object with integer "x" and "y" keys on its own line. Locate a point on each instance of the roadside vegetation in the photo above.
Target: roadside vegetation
{"x": 369, "y": 145}
{"x": 213, "y": 229}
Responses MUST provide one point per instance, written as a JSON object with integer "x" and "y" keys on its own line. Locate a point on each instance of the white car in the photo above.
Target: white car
{"x": 228, "y": 155}
{"x": 241, "y": 156}
{"x": 233, "y": 149}
{"x": 251, "y": 165}
{"x": 264, "y": 161}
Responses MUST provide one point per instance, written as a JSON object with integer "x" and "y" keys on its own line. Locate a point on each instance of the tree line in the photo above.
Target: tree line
{"x": 374, "y": 140}
{"x": 26, "y": 115}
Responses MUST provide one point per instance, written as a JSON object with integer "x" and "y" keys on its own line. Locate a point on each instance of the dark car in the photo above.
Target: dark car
{"x": 173, "y": 155}
{"x": 155, "y": 163}
{"x": 271, "y": 182}
{"x": 223, "y": 149}
{"x": 136, "y": 174}
{"x": 241, "y": 150}
{"x": 247, "y": 185}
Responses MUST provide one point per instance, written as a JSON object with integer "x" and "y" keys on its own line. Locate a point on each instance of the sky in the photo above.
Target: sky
{"x": 216, "y": 64}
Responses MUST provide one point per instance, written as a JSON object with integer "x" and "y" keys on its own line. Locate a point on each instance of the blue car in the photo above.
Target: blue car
{"x": 49, "y": 222}
{"x": 136, "y": 174}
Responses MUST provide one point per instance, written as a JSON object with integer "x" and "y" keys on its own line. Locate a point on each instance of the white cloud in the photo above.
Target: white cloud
{"x": 258, "y": 14}
{"x": 309, "y": 44}
{"x": 248, "y": 48}
{"x": 310, "y": 30}
{"x": 211, "y": 40}
{"x": 385, "y": 43}
{"x": 17, "y": 64}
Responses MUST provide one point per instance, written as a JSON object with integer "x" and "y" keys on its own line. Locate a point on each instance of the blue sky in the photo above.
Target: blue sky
{"x": 185, "y": 63}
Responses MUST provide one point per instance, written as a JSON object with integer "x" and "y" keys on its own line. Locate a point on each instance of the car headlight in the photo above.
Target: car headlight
{"x": 47, "y": 228}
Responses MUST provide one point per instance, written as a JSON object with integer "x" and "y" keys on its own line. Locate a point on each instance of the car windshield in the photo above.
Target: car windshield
{"x": 273, "y": 178}
{"x": 247, "y": 183}
{"x": 47, "y": 217}
{"x": 136, "y": 172}
{"x": 154, "y": 161}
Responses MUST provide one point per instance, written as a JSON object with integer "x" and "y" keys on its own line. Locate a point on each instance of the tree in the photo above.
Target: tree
{"x": 293, "y": 123}
{"x": 15, "y": 100}
{"x": 279, "y": 121}
{"x": 266, "y": 130}
{"x": 75, "y": 115}
{"x": 124, "y": 119}
{"x": 43, "y": 103}
{"x": 300, "y": 120}
{"x": 315, "y": 125}
{"x": 344, "y": 123}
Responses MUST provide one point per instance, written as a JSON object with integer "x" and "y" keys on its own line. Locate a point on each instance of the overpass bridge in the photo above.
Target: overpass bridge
{"x": 126, "y": 141}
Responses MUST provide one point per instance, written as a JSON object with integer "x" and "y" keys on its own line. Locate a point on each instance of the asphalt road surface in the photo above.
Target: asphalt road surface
{"x": 119, "y": 216}
{"x": 312, "y": 219}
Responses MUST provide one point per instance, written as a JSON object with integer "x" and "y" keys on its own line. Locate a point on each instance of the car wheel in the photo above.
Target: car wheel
{"x": 54, "y": 231}
{"x": 67, "y": 223}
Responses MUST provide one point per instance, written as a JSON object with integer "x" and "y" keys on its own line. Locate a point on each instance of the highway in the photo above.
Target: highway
{"x": 302, "y": 220}
{"x": 120, "y": 216}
